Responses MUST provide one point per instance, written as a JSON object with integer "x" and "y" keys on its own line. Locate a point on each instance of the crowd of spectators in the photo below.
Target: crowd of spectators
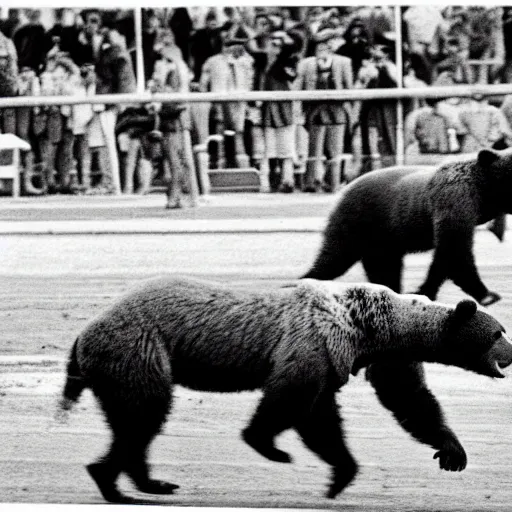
{"x": 103, "y": 148}
{"x": 458, "y": 45}
{"x": 82, "y": 53}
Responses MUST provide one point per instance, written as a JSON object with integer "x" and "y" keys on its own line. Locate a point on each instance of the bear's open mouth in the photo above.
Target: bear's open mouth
{"x": 499, "y": 366}
{"x": 499, "y": 356}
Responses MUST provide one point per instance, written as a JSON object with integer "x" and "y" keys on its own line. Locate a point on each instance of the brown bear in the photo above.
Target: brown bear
{"x": 384, "y": 215}
{"x": 298, "y": 344}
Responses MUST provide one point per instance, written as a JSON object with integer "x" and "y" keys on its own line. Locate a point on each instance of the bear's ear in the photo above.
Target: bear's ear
{"x": 487, "y": 157}
{"x": 464, "y": 310}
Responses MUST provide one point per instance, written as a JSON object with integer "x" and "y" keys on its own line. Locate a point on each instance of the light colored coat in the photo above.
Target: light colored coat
{"x": 342, "y": 75}
{"x": 216, "y": 74}
{"x": 307, "y": 73}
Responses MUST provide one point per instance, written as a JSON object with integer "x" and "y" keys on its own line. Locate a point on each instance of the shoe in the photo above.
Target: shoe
{"x": 286, "y": 188}
{"x": 316, "y": 187}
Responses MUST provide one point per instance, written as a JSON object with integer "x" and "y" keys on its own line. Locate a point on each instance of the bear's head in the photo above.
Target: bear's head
{"x": 476, "y": 341}
{"x": 385, "y": 325}
{"x": 465, "y": 335}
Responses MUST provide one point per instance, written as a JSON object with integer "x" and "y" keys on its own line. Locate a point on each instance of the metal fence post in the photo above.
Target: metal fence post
{"x": 400, "y": 136}
{"x": 141, "y": 79}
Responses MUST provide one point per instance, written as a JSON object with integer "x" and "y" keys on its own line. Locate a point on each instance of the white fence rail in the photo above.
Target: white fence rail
{"x": 463, "y": 91}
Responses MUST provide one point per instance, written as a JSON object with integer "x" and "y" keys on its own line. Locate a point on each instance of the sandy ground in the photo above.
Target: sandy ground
{"x": 44, "y": 306}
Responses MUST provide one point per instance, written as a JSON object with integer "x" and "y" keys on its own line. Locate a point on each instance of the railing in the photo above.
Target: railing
{"x": 462, "y": 91}
{"x": 398, "y": 93}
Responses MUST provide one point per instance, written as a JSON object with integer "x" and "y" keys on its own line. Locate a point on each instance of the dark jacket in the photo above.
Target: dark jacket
{"x": 114, "y": 71}
{"x": 181, "y": 26}
{"x": 30, "y": 45}
{"x": 380, "y": 114}
{"x": 278, "y": 77}
{"x": 204, "y": 44}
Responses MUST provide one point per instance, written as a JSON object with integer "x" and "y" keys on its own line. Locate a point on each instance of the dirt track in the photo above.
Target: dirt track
{"x": 200, "y": 449}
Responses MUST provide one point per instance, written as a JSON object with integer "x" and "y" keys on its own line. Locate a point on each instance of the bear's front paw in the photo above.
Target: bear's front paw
{"x": 425, "y": 290}
{"x": 490, "y": 298}
{"x": 265, "y": 447}
{"x": 452, "y": 456}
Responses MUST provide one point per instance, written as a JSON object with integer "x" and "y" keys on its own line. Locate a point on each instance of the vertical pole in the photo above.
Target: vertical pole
{"x": 191, "y": 167}
{"x": 141, "y": 79}
{"x": 400, "y": 143}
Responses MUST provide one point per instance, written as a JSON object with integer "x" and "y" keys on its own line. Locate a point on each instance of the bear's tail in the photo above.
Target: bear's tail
{"x": 75, "y": 384}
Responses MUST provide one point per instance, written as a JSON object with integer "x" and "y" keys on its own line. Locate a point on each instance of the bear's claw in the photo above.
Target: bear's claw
{"x": 157, "y": 487}
{"x": 490, "y": 298}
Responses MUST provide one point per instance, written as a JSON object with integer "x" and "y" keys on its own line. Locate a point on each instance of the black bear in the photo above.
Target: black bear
{"x": 386, "y": 214}
{"x": 298, "y": 344}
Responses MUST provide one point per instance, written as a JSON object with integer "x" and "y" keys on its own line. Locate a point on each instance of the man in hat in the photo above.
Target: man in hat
{"x": 230, "y": 70}
{"x": 326, "y": 121}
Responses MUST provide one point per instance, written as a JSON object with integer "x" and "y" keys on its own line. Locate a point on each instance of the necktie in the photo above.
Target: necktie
{"x": 233, "y": 74}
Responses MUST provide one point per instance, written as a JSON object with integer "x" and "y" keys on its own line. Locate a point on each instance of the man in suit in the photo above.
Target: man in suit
{"x": 326, "y": 121}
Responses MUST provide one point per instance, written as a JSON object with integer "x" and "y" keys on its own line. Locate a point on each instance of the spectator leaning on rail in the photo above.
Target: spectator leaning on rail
{"x": 230, "y": 71}
{"x": 275, "y": 70}
{"x": 326, "y": 121}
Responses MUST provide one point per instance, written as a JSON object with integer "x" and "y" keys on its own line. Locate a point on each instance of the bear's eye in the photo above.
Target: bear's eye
{"x": 497, "y": 335}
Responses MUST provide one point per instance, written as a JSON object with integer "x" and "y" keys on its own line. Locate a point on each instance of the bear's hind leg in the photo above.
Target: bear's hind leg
{"x": 384, "y": 268}
{"x": 134, "y": 425}
{"x": 135, "y": 394}
{"x": 139, "y": 440}
{"x": 105, "y": 472}
{"x": 322, "y": 432}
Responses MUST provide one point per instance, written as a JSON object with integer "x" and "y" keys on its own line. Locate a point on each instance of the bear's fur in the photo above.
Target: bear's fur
{"x": 298, "y": 344}
{"x": 384, "y": 215}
